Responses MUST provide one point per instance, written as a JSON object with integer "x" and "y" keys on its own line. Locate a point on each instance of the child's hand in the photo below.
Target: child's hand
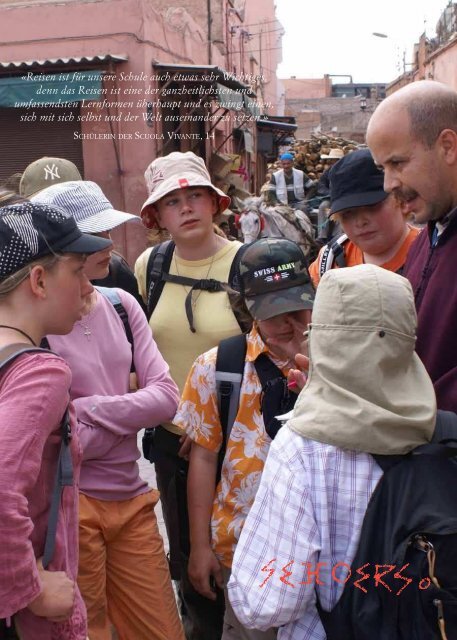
{"x": 57, "y": 597}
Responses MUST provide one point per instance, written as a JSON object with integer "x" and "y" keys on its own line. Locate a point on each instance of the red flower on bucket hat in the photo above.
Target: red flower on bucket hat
{"x": 177, "y": 170}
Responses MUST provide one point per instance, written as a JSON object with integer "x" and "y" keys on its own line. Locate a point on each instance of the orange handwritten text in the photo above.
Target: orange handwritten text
{"x": 382, "y": 576}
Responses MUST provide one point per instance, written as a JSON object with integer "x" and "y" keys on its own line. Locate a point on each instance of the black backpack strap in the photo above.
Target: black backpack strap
{"x": 445, "y": 427}
{"x": 266, "y": 370}
{"x": 64, "y": 478}
{"x": 231, "y": 356}
{"x": 338, "y": 252}
{"x": 209, "y": 284}
{"x": 64, "y": 472}
{"x": 234, "y": 273}
{"x": 443, "y": 443}
{"x": 333, "y": 252}
{"x": 159, "y": 262}
{"x": 112, "y": 296}
{"x": 157, "y": 274}
{"x": 276, "y": 397}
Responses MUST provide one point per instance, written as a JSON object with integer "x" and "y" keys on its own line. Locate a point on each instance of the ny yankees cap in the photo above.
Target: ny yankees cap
{"x": 86, "y": 202}
{"x": 29, "y": 231}
{"x": 177, "y": 170}
{"x": 274, "y": 278}
{"x": 44, "y": 172}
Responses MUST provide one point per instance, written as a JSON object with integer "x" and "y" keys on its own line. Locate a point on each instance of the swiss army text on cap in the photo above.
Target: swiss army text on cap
{"x": 274, "y": 278}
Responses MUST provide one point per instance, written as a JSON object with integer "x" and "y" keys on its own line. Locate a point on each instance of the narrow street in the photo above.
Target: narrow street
{"x": 147, "y": 472}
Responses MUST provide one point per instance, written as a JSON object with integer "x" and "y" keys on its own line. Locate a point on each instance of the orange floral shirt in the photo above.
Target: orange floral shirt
{"x": 247, "y": 447}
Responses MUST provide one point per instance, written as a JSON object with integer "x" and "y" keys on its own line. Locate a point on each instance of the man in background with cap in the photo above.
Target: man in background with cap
{"x": 278, "y": 292}
{"x": 49, "y": 172}
{"x": 326, "y": 228}
{"x": 374, "y": 223}
{"x": 288, "y": 185}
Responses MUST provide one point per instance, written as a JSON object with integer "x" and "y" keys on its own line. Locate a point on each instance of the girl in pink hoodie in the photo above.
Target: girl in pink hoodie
{"x": 42, "y": 290}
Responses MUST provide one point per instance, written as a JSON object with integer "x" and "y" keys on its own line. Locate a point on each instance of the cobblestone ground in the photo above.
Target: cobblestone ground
{"x": 147, "y": 472}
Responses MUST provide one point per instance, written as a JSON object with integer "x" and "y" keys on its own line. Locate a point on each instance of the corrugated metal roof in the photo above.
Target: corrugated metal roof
{"x": 274, "y": 124}
{"x": 59, "y": 61}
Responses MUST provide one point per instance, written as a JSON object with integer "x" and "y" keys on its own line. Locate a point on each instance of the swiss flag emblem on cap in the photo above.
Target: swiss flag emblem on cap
{"x": 183, "y": 182}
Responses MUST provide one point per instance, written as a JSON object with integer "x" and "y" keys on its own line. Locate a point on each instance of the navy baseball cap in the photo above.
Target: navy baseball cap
{"x": 29, "y": 231}
{"x": 355, "y": 181}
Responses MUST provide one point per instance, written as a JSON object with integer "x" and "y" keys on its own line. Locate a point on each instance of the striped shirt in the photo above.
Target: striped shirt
{"x": 305, "y": 520}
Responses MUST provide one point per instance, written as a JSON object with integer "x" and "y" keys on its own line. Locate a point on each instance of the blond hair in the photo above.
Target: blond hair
{"x": 12, "y": 281}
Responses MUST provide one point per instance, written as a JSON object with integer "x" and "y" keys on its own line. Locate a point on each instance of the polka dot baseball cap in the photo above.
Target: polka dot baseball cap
{"x": 29, "y": 231}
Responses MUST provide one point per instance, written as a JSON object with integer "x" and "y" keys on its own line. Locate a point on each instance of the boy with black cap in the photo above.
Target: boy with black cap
{"x": 374, "y": 224}
{"x": 277, "y": 289}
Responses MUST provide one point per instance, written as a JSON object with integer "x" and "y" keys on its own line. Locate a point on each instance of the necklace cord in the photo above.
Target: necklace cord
{"x": 26, "y": 335}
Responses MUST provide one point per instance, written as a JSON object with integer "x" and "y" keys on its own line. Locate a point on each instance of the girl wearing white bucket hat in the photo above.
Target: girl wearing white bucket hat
{"x": 183, "y": 200}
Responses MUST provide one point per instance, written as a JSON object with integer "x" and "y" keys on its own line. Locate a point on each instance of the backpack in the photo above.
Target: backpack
{"x": 113, "y": 297}
{"x": 333, "y": 253}
{"x": 157, "y": 274}
{"x": 64, "y": 474}
{"x": 402, "y": 584}
{"x": 276, "y": 398}
{"x": 230, "y": 360}
{"x": 121, "y": 276}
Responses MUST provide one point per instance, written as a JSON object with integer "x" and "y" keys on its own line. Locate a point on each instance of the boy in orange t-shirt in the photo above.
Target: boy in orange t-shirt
{"x": 374, "y": 225}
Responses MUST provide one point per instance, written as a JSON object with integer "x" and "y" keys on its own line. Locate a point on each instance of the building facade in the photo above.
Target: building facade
{"x": 435, "y": 58}
{"x": 340, "y": 109}
{"x": 112, "y": 84}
